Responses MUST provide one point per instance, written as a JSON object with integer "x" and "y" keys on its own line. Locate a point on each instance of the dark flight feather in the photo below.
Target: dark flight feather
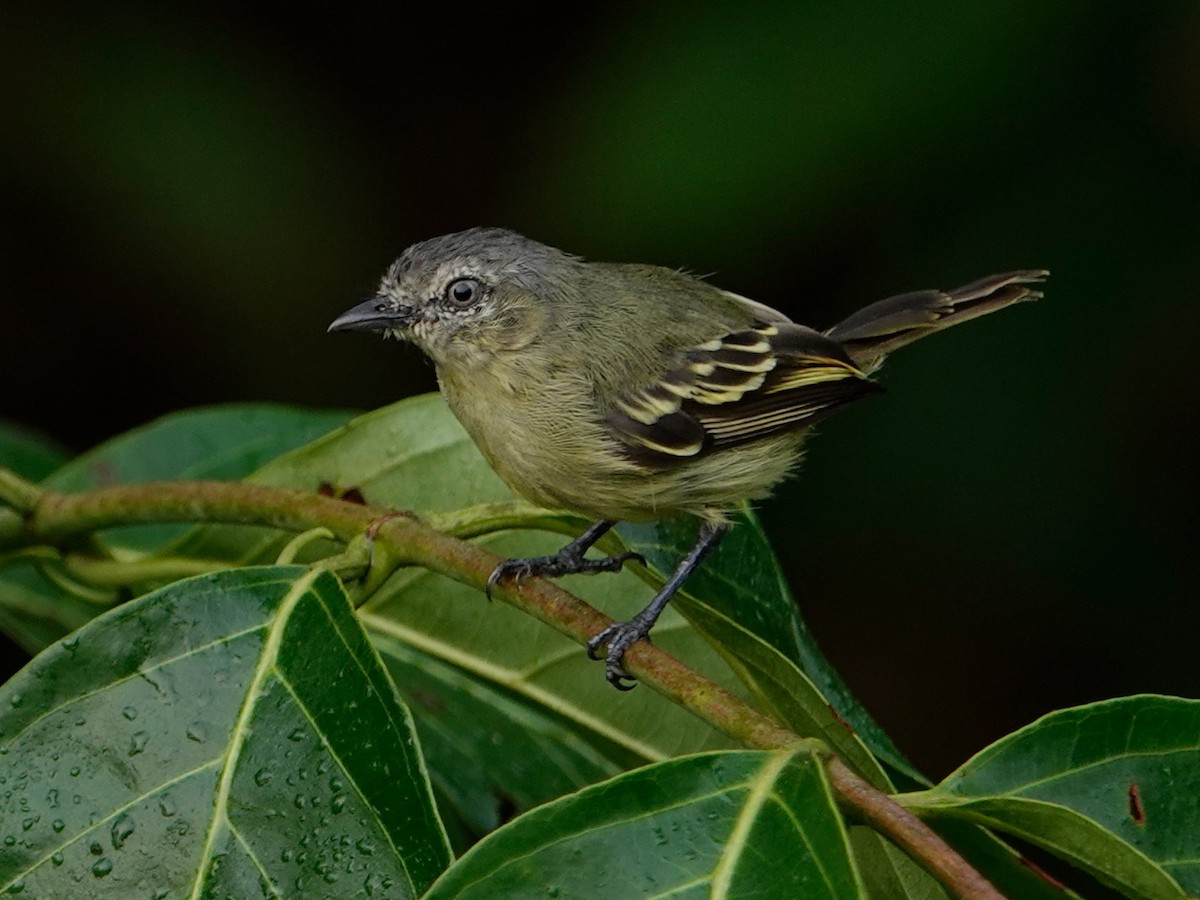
{"x": 742, "y": 387}
{"x": 878, "y": 329}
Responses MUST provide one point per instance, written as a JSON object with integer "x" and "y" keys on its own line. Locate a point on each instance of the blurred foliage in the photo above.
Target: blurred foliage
{"x": 192, "y": 195}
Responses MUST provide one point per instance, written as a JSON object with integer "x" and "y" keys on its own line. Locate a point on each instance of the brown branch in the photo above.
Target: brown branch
{"x": 60, "y": 519}
{"x": 906, "y": 831}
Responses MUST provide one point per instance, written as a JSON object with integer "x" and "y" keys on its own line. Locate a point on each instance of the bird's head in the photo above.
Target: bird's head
{"x": 467, "y": 296}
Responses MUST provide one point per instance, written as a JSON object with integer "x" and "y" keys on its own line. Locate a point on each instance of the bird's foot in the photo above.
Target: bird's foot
{"x": 617, "y": 638}
{"x": 567, "y": 561}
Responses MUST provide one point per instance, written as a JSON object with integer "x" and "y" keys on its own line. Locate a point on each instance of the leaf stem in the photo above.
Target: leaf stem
{"x": 58, "y": 519}
{"x": 118, "y": 573}
{"x": 17, "y": 493}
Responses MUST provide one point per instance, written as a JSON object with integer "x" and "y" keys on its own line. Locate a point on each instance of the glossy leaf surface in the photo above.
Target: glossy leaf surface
{"x": 1110, "y": 786}
{"x": 493, "y": 641}
{"x": 223, "y": 443}
{"x": 232, "y": 735}
{"x": 737, "y": 824}
{"x": 36, "y": 613}
{"x": 220, "y": 442}
{"x": 741, "y": 583}
{"x": 489, "y": 753}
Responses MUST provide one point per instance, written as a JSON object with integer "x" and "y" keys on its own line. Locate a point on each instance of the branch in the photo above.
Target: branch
{"x": 60, "y": 519}
{"x": 926, "y": 847}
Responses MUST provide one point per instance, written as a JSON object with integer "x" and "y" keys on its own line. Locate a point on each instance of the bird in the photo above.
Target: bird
{"x": 632, "y": 392}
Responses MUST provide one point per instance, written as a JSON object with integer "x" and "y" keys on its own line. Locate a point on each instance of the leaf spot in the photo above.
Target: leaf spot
{"x": 1136, "y": 811}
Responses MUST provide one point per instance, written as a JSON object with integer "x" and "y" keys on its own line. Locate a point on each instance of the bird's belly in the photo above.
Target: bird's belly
{"x": 560, "y": 460}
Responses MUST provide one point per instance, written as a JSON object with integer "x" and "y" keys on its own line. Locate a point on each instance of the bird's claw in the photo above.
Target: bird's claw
{"x": 556, "y": 565}
{"x": 516, "y": 569}
{"x": 617, "y": 638}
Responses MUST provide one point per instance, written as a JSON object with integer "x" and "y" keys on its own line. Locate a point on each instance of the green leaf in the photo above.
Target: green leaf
{"x": 1107, "y": 786}
{"x": 1012, "y": 874}
{"x": 411, "y": 455}
{"x": 504, "y": 646}
{"x": 887, "y": 873}
{"x": 34, "y": 612}
{"x": 223, "y": 443}
{"x": 30, "y": 455}
{"x": 780, "y": 687}
{"x": 231, "y": 735}
{"x": 382, "y": 453}
{"x": 220, "y": 442}
{"x": 489, "y": 753}
{"x": 741, "y": 588}
{"x": 735, "y": 824}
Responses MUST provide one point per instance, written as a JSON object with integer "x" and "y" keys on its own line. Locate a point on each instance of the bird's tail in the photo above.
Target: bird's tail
{"x": 872, "y": 333}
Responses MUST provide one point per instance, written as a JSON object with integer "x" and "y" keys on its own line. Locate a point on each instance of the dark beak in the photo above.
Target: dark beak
{"x": 375, "y": 314}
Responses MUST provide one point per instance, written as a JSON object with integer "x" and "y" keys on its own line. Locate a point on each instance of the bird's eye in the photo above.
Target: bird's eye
{"x": 464, "y": 291}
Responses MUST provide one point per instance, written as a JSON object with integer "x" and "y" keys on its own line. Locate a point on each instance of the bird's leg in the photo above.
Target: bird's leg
{"x": 620, "y": 636}
{"x": 567, "y": 561}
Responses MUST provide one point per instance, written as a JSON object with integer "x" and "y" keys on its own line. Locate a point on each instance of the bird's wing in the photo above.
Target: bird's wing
{"x": 740, "y": 387}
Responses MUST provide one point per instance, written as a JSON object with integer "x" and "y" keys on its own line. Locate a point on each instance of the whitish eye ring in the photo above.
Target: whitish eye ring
{"x": 463, "y": 292}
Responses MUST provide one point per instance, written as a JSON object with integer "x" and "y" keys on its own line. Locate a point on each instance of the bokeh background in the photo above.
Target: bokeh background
{"x": 189, "y": 197}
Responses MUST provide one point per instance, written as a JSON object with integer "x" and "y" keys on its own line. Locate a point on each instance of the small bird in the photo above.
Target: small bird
{"x": 635, "y": 392}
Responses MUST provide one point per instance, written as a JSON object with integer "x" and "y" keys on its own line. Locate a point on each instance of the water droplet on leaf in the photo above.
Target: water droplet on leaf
{"x": 122, "y": 828}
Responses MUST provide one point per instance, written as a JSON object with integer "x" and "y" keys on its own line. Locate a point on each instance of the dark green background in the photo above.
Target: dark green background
{"x": 189, "y": 198}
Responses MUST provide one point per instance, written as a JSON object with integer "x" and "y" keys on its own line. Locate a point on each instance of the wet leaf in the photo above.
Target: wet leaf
{"x": 490, "y": 754}
{"x": 735, "y": 824}
{"x": 232, "y": 735}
